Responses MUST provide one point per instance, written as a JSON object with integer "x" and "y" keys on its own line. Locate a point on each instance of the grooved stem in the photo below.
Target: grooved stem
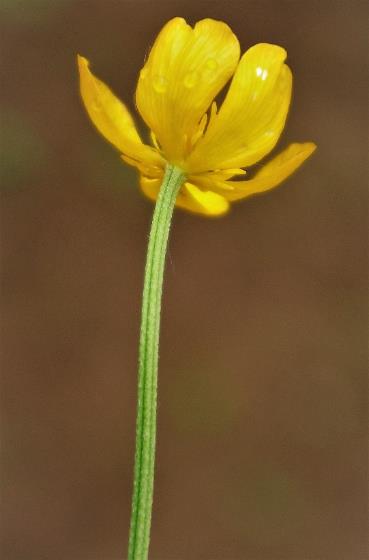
{"x": 143, "y": 484}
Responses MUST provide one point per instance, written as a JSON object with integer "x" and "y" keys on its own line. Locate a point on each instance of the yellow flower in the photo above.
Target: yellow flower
{"x": 186, "y": 69}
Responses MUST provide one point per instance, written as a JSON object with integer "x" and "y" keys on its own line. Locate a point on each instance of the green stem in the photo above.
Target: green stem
{"x": 143, "y": 484}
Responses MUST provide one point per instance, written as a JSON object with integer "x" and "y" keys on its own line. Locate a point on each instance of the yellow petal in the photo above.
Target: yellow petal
{"x": 112, "y": 118}
{"x": 190, "y": 197}
{"x": 185, "y": 70}
{"x": 252, "y": 115}
{"x": 147, "y": 170}
{"x": 203, "y": 202}
{"x": 269, "y": 176}
{"x": 150, "y": 186}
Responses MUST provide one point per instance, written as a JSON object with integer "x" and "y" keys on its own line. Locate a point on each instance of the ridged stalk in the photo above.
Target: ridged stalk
{"x": 143, "y": 485}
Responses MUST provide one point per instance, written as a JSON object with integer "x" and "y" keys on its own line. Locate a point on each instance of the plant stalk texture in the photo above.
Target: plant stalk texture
{"x": 143, "y": 485}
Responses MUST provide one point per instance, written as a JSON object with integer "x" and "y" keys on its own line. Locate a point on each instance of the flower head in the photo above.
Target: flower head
{"x": 185, "y": 71}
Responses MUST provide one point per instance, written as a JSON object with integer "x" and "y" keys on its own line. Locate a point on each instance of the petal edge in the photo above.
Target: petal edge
{"x": 270, "y": 175}
{"x": 111, "y": 117}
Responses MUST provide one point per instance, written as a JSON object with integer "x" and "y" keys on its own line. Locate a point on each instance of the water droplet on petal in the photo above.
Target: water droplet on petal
{"x": 210, "y": 73}
{"x": 262, "y": 73}
{"x": 211, "y": 64}
{"x": 190, "y": 80}
{"x": 160, "y": 84}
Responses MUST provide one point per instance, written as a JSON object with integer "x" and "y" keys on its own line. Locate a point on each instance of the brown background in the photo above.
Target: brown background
{"x": 262, "y": 393}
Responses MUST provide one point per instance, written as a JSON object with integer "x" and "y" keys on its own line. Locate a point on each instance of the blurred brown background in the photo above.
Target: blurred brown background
{"x": 262, "y": 429}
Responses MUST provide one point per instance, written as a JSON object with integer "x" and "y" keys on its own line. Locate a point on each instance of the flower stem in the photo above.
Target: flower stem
{"x": 143, "y": 484}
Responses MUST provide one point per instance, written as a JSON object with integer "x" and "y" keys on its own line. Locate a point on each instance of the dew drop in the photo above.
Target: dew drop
{"x": 211, "y": 64}
{"x": 262, "y": 73}
{"x": 160, "y": 84}
{"x": 209, "y": 72}
{"x": 190, "y": 80}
